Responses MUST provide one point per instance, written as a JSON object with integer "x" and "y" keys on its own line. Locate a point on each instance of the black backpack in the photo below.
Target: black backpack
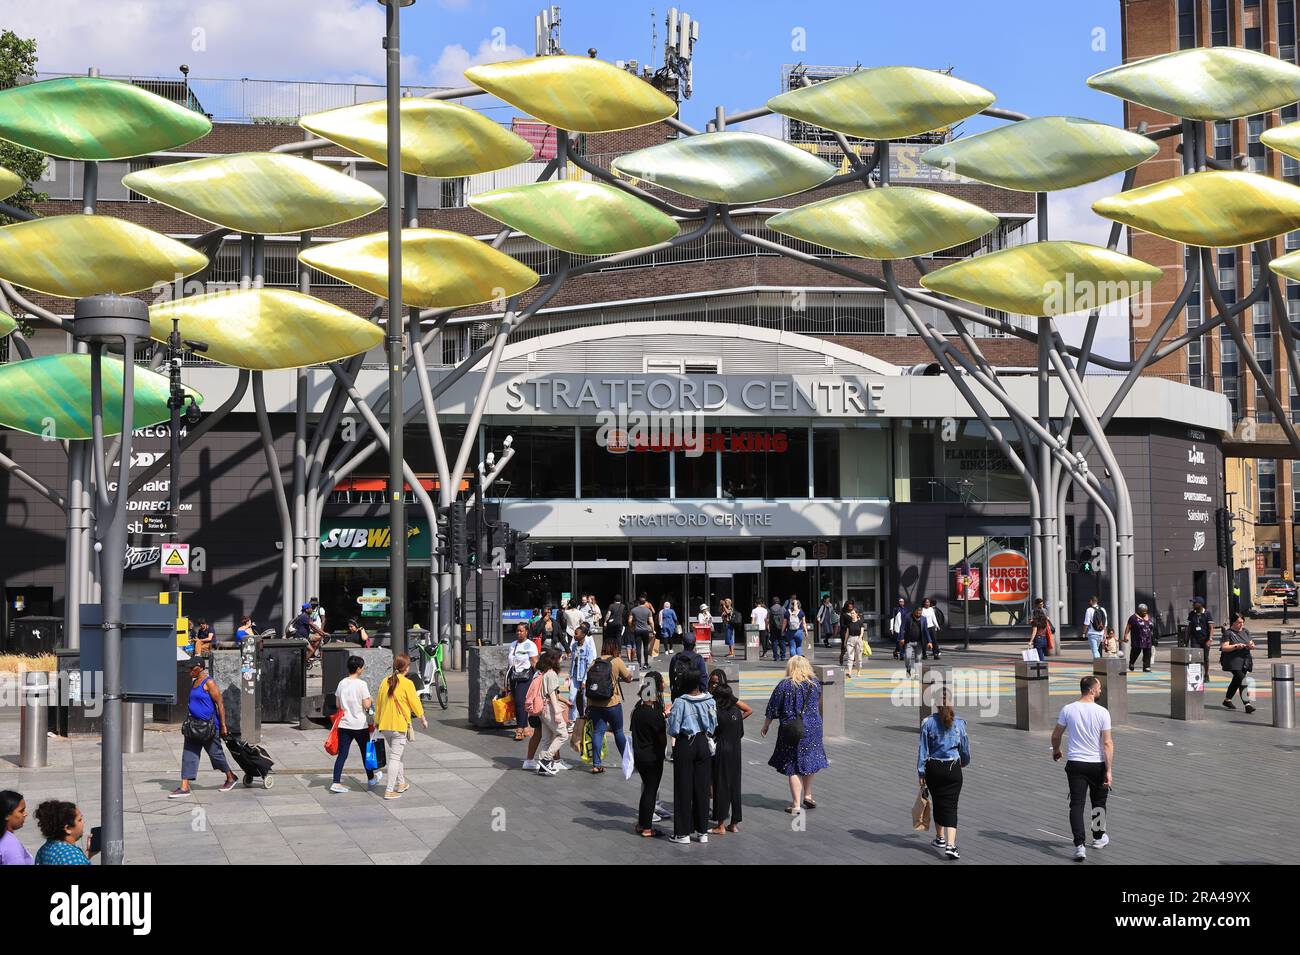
{"x": 600, "y": 679}
{"x": 677, "y": 672}
{"x": 1099, "y": 619}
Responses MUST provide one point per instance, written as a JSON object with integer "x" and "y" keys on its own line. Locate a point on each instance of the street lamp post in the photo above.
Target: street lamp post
{"x": 396, "y": 406}
{"x": 99, "y": 321}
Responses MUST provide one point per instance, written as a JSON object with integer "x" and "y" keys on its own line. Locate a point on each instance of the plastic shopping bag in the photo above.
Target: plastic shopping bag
{"x": 503, "y": 709}
{"x": 627, "y": 760}
{"x": 371, "y": 755}
{"x": 588, "y": 742}
{"x": 332, "y": 741}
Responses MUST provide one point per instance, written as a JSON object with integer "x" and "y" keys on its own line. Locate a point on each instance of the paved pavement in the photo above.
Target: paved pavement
{"x": 471, "y": 803}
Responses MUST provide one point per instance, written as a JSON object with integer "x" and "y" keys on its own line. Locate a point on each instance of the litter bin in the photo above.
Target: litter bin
{"x": 284, "y": 680}
{"x": 68, "y": 712}
{"x": 33, "y": 723}
{"x": 235, "y": 668}
{"x": 703, "y": 639}
{"x": 1274, "y": 644}
{"x": 1033, "y": 710}
{"x": 752, "y": 644}
{"x": 1186, "y": 684}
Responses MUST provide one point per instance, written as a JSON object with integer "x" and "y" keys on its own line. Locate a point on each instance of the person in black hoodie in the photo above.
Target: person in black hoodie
{"x": 732, "y": 714}
{"x": 649, "y": 730}
{"x": 683, "y": 662}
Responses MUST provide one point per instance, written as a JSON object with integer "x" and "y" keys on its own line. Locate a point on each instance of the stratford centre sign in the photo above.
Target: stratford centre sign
{"x": 796, "y": 396}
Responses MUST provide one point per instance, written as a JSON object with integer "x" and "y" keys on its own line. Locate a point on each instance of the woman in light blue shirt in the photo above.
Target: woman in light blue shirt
{"x": 693, "y": 718}
{"x": 944, "y": 749}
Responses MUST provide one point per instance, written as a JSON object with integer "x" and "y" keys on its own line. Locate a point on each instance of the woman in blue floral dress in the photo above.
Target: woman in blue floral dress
{"x": 798, "y": 695}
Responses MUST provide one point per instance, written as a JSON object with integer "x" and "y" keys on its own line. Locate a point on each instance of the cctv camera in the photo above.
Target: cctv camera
{"x": 510, "y": 439}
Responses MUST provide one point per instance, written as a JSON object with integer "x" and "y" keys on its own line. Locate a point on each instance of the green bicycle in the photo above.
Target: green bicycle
{"x": 429, "y": 669}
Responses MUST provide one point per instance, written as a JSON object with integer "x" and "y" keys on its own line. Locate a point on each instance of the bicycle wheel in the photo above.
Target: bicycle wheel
{"x": 444, "y": 698}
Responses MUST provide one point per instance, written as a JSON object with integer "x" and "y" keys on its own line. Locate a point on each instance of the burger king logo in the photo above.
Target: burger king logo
{"x": 1007, "y": 577}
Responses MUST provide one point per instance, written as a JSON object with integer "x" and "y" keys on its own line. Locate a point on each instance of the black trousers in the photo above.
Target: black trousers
{"x": 643, "y": 641}
{"x": 1238, "y": 685}
{"x": 651, "y": 773}
{"x": 726, "y": 786}
{"x": 691, "y": 778}
{"x": 1133, "y": 655}
{"x": 1087, "y": 781}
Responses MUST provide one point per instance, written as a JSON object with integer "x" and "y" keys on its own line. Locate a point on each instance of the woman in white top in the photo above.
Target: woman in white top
{"x": 352, "y": 697}
{"x": 572, "y": 617}
{"x": 522, "y": 659}
{"x": 931, "y": 618}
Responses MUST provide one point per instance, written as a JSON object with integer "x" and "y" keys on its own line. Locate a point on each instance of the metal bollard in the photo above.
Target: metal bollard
{"x": 832, "y": 681}
{"x": 34, "y": 721}
{"x": 1033, "y": 710}
{"x": 132, "y": 727}
{"x": 748, "y": 649}
{"x": 1113, "y": 674}
{"x": 1186, "y": 684}
{"x": 1284, "y": 696}
{"x": 1274, "y": 644}
{"x": 936, "y": 679}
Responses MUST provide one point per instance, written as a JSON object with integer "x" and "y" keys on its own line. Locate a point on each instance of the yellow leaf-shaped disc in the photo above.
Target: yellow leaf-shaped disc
{"x": 574, "y": 92}
{"x": 1206, "y": 83}
{"x": 261, "y": 193}
{"x": 884, "y": 102}
{"x": 1211, "y": 208}
{"x": 1285, "y": 139}
{"x": 439, "y": 139}
{"x": 1044, "y": 278}
{"x": 439, "y": 269}
{"x": 10, "y": 182}
{"x": 76, "y": 255}
{"x": 1043, "y": 154}
{"x": 894, "y": 223}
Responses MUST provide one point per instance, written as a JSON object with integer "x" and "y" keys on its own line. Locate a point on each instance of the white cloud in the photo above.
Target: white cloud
{"x": 450, "y": 68}
{"x": 770, "y": 125}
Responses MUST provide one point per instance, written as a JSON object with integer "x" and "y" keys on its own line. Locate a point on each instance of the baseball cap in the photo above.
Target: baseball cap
{"x": 305, "y": 607}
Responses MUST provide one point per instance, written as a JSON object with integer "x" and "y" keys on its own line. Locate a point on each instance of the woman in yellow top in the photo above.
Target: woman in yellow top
{"x": 397, "y": 705}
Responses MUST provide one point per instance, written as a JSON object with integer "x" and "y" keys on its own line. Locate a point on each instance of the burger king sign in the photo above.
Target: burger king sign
{"x": 1006, "y": 577}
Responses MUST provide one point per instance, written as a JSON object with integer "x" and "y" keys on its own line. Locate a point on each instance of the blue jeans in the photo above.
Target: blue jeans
{"x": 780, "y": 645}
{"x": 603, "y": 718}
{"x": 346, "y": 738}
{"x": 1094, "y": 641}
{"x": 794, "y": 641}
{"x": 1040, "y": 644}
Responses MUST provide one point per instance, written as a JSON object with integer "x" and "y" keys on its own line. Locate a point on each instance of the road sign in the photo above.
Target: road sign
{"x": 175, "y": 558}
{"x": 158, "y": 524}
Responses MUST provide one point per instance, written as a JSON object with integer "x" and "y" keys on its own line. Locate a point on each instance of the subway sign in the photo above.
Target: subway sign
{"x": 368, "y": 539}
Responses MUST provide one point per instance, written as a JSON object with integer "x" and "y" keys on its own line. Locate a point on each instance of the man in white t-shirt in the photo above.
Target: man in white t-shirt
{"x": 1094, "y": 626}
{"x": 352, "y": 697}
{"x": 758, "y": 617}
{"x": 1088, "y": 770}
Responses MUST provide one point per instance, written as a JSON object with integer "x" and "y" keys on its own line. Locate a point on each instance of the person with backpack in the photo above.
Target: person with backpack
{"x": 691, "y": 721}
{"x": 605, "y": 701}
{"x": 649, "y": 729}
{"x": 1094, "y": 625}
{"x": 1235, "y": 658}
{"x": 683, "y": 664}
{"x": 1140, "y": 634}
{"x": 1200, "y": 630}
{"x": 777, "y": 616}
{"x": 795, "y": 704}
{"x": 727, "y": 761}
{"x": 796, "y": 625}
{"x": 547, "y": 699}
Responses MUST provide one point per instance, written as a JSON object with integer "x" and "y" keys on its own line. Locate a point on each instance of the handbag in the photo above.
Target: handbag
{"x": 199, "y": 731}
{"x": 332, "y": 741}
{"x": 791, "y": 731}
{"x": 575, "y": 738}
{"x": 921, "y": 808}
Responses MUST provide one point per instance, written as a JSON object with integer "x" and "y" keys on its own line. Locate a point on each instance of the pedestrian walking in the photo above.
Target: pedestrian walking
{"x": 943, "y": 752}
{"x": 590, "y": 611}
{"x": 897, "y": 623}
{"x": 398, "y": 706}
{"x": 1040, "y": 633}
{"x": 1094, "y": 626}
{"x": 605, "y": 701}
{"x": 649, "y": 729}
{"x": 553, "y": 692}
{"x": 1140, "y": 634}
{"x": 13, "y": 816}
{"x": 204, "y": 728}
{"x": 1088, "y": 771}
{"x": 519, "y": 671}
{"x": 352, "y": 696}
{"x": 842, "y": 628}
{"x": 614, "y": 623}
{"x": 758, "y": 617}
{"x": 572, "y": 618}
{"x": 669, "y": 626}
{"x": 62, "y": 825}
{"x": 777, "y": 617}
{"x": 826, "y": 621}
{"x": 584, "y": 651}
{"x": 1235, "y": 658}
{"x": 854, "y": 642}
{"x": 1200, "y": 631}
{"x": 795, "y": 705}
{"x": 930, "y": 614}
{"x": 727, "y": 757}
{"x": 691, "y": 721}
{"x": 912, "y": 637}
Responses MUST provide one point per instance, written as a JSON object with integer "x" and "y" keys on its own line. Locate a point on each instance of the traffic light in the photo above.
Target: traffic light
{"x": 1087, "y": 561}
{"x": 457, "y": 535}
{"x": 523, "y": 551}
{"x": 1223, "y": 527}
{"x": 500, "y": 544}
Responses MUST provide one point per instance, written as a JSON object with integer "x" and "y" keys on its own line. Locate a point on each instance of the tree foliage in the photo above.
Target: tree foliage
{"x": 18, "y": 59}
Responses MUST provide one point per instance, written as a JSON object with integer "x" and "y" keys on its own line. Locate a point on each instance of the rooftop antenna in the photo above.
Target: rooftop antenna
{"x": 676, "y": 76}
{"x": 546, "y": 32}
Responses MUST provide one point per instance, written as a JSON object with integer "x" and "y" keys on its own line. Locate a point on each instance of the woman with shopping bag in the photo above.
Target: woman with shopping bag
{"x": 943, "y": 750}
{"x": 352, "y": 697}
{"x": 399, "y": 705}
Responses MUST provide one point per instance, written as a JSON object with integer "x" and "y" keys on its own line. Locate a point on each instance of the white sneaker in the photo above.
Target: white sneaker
{"x": 680, "y": 840}
{"x": 701, "y": 837}
{"x": 1102, "y": 842}
{"x": 655, "y": 817}
{"x": 338, "y": 788}
{"x": 530, "y": 764}
{"x": 1080, "y": 853}
{"x": 561, "y": 764}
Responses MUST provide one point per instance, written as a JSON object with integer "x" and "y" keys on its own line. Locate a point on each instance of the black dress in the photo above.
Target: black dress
{"x": 726, "y": 765}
